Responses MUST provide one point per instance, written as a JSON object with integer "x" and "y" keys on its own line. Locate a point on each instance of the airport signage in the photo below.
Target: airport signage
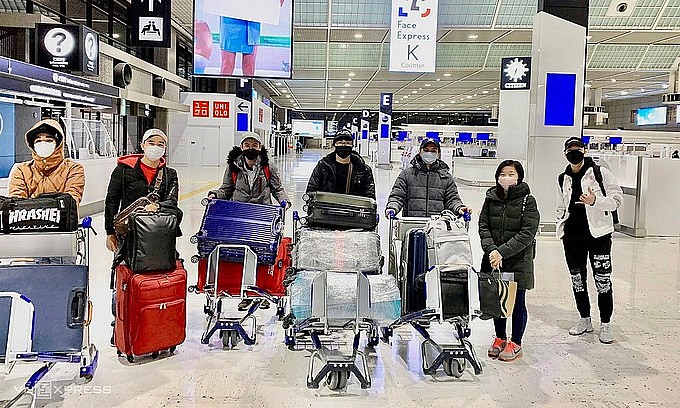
{"x": 516, "y": 74}
{"x": 71, "y": 48}
{"x": 413, "y": 38}
{"x": 150, "y": 23}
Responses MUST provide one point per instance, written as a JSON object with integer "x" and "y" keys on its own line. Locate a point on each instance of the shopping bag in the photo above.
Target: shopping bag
{"x": 497, "y": 293}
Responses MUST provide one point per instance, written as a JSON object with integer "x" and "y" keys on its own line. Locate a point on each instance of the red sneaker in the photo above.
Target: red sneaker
{"x": 496, "y": 348}
{"x": 511, "y": 352}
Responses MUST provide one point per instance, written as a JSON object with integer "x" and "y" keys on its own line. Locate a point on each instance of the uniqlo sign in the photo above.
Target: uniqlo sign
{"x": 221, "y": 110}
{"x": 201, "y": 109}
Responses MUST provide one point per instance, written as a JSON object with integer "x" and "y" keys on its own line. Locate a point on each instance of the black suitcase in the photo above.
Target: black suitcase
{"x": 455, "y": 297}
{"x": 413, "y": 275}
{"x": 151, "y": 242}
{"x": 340, "y": 211}
{"x": 49, "y": 212}
{"x": 59, "y": 294}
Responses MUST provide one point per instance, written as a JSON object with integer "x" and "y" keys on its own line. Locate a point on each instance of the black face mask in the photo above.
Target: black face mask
{"x": 251, "y": 154}
{"x": 343, "y": 152}
{"x": 575, "y": 156}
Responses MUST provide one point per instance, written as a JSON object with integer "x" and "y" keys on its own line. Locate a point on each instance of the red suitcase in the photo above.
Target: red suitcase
{"x": 150, "y": 311}
{"x": 269, "y": 278}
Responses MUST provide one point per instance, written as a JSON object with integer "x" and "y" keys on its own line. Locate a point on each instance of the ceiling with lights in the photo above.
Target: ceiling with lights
{"x": 341, "y": 53}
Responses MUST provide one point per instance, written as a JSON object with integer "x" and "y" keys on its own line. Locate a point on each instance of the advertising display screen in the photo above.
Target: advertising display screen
{"x": 560, "y": 99}
{"x": 651, "y": 116}
{"x": 483, "y": 136}
{"x": 464, "y": 137}
{"x": 243, "y": 38}
{"x": 615, "y": 140}
{"x": 308, "y": 128}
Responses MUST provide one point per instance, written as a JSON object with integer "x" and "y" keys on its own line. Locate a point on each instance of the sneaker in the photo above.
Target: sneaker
{"x": 583, "y": 326}
{"x": 606, "y": 333}
{"x": 264, "y": 305}
{"x": 511, "y": 352}
{"x": 496, "y": 348}
{"x": 244, "y": 305}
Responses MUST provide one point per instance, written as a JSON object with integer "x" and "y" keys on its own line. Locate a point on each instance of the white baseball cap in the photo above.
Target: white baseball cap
{"x": 251, "y": 135}
{"x": 155, "y": 132}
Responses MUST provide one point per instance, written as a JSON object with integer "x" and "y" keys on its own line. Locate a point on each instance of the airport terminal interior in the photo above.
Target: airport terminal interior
{"x": 145, "y": 88}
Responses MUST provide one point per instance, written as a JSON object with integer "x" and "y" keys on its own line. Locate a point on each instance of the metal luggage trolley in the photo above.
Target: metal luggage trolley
{"x": 56, "y": 257}
{"x": 233, "y": 329}
{"x": 454, "y": 357}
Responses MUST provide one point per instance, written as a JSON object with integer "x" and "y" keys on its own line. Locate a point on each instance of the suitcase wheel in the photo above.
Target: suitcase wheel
{"x": 154, "y": 355}
{"x": 172, "y": 349}
{"x": 454, "y": 367}
{"x": 194, "y": 259}
{"x": 193, "y": 239}
{"x": 337, "y": 380}
{"x": 192, "y": 289}
{"x": 119, "y": 353}
{"x": 130, "y": 358}
{"x": 372, "y": 342}
{"x": 230, "y": 338}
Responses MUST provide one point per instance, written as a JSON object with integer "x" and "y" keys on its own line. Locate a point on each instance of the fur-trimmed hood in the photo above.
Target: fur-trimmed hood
{"x": 236, "y": 159}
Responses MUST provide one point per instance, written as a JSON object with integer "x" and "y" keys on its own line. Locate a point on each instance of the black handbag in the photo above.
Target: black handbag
{"x": 56, "y": 212}
{"x": 151, "y": 242}
{"x": 496, "y": 296}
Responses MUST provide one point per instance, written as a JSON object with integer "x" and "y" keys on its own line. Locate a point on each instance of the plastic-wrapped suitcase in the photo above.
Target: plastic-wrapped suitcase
{"x": 412, "y": 284}
{"x": 341, "y": 251}
{"x": 340, "y": 211}
{"x": 150, "y": 310}
{"x": 269, "y": 277}
{"x": 231, "y": 222}
{"x": 59, "y": 297}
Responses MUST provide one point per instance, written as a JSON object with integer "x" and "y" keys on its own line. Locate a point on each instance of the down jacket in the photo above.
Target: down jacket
{"x": 506, "y": 226}
{"x": 261, "y": 190}
{"x": 422, "y": 192}
{"x": 128, "y": 184}
{"x": 53, "y": 174}
{"x": 323, "y": 177}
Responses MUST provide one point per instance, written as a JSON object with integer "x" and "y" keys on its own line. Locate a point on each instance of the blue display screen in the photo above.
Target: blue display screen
{"x": 586, "y": 139}
{"x": 651, "y": 116}
{"x": 241, "y": 122}
{"x": 364, "y": 134}
{"x": 560, "y": 99}
{"x": 384, "y": 131}
{"x": 432, "y": 135}
{"x": 615, "y": 140}
{"x": 402, "y": 135}
{"x": 465, "y": 137}
{"x": 483, "y": 136}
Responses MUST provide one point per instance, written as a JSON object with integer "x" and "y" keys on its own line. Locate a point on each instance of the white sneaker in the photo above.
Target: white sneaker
{"x": 583, "y": 326}
{"x": 606, "y": 333}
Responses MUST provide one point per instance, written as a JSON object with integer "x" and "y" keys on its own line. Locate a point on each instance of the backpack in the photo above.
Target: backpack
{"x": 267, "y": 175}
{"x": 597, "y": 171}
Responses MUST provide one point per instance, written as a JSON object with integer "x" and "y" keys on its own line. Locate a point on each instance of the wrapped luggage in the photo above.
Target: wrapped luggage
{"x": 325, "y": 250}
{"x": 342, "y": 296}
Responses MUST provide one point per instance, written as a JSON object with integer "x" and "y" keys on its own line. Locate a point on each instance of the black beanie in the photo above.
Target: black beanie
{"x": 343, "y": 135}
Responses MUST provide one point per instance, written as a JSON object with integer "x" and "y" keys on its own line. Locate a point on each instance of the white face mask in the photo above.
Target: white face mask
{"x": 507, "y": 182}
{"x": 44, "y": 149}
{"x": 429, "y": 157}
{"x": 154, "y": 153}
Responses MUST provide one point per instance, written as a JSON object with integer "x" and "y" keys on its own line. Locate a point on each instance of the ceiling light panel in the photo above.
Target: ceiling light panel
{"x": 360, "y": 13}
{"x": 309, "y": 55}
{"x": 516, "y": 13}
{"x": 478, "y": 13}
{"x": 353, "y": 55}
{"x": 499, "y": 51}
{"x": 310, "y": 13}
{"x": 660, "y": 57}
{"x": 644, "y": 15}
{"x": 670, "y": 18}
{"x": 609, "y": 56}
{"x": 460, "y": 55}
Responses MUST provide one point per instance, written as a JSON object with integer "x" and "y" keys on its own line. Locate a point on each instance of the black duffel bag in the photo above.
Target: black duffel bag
{"x": 55, "y": 212}
{"x": 151, "y": 242}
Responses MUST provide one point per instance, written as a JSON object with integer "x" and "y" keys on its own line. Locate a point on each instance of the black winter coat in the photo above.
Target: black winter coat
{"x": 505, "y": 227}
{"x": 323, "y": 177}
{"x": 128, "y": 184}
{"x": 422, "y": 192}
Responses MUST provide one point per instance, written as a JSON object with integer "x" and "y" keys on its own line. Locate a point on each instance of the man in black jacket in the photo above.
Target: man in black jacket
{"x": 343, "y": 171}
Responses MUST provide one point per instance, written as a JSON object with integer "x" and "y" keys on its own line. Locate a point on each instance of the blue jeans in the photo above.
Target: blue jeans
{"x": 519, "y": 320}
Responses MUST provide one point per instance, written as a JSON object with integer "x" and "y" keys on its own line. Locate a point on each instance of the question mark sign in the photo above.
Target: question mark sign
{"x": 61, "y": 38}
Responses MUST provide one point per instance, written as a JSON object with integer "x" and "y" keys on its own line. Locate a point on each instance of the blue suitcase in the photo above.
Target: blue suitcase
{"x": 59, "y": 296}
{"x": 231, "y": 222}
{"x": 413, "y": 272}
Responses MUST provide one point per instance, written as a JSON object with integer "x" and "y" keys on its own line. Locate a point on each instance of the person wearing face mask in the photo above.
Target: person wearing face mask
{"x": 426, "y": 188}
{"x": 343, "y": 171}
{"x": 135, "y": 177}
{"x": 250, "y": 177}
{"x": 588, "y": 197}
{"x": 49, "y": 171}
{"x": 508, "y": 224}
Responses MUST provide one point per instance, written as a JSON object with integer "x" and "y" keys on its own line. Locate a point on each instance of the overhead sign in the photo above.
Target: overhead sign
{"x": 413, "y": 43}
{"x": 53, "y": 92}
{"x": 515, "y": 73}
{"x": 71, "y": 48}
{"x": 385, "y": 127}
{"x": 150, "y": 23}
{"x": 363, "y": 132}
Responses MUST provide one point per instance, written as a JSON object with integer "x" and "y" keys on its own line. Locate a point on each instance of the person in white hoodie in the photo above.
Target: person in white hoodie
{"x": 588, "y": 197}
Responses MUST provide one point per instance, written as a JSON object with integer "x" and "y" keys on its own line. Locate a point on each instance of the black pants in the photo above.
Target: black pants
{"x": 519, "y": 320}
{"x": 577, "y": 251}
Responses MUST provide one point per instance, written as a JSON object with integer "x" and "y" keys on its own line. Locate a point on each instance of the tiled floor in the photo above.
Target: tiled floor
{"x": 639, "y": 370}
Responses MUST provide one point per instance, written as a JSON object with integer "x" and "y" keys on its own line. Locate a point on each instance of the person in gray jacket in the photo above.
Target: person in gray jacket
{"x": 426, "y": 188}
{"x": 250, "y": 177}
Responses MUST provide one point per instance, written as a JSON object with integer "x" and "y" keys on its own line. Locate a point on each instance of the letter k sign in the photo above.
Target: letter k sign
{"x": 411, "y": 51}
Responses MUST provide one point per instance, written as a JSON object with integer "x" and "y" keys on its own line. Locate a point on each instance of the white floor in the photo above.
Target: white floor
{"x": 639, "y": 370}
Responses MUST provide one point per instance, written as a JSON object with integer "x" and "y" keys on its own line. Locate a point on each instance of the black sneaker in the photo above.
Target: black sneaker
{"x": 244, "y": 305}
{"x": 264, "y": 304}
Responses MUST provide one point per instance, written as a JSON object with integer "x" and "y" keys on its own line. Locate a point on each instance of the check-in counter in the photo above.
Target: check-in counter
{"x": 475, "y": 171}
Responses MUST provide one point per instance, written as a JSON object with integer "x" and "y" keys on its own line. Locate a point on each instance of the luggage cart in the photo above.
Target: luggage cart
{"x": 233, "y": 329}
{"x": 453, "y": 357}
{"x": 58, "y": 251}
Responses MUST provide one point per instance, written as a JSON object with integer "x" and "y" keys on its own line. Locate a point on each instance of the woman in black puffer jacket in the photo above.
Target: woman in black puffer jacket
{"x": 508, "y": 224}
